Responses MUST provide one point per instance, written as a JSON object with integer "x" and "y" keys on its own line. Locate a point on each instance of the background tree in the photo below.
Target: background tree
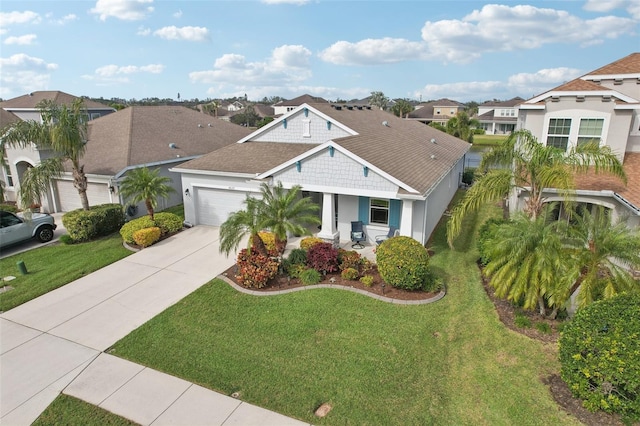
{"x": 284, "y": 211}
{"x": 531, "y": 166}
{"x": 379, "y": 100}
{"x": 143, "y": 184}
{"x": 241, "y": 223}
{"x": 248, "y": 117}
{"x": 462, "y": 126}
{"x": 63, "y": 130}
{"x": 402, "y": 108}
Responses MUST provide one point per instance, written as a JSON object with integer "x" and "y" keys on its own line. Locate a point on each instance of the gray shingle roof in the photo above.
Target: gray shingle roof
{"x": 142, "y": 134}
{"x": 31, "y": 100}
{"x": 402, "y": 148}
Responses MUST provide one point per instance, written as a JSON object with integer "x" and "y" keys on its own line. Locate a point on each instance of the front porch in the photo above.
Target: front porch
{"x": 367, "y": 251}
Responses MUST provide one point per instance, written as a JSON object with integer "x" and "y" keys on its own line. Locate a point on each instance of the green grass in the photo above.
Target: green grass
{"x": 488, "y": 140}
{"x": 447, "y": 363}
{"x": 55, "y": 265}
{"x": 70, "y": 411}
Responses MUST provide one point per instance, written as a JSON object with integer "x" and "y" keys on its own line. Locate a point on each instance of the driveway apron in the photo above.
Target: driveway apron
{"x": 55, "y": 343}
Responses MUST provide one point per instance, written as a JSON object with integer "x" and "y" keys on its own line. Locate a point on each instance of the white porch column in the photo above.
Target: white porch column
{"x": 328, "y": 231}
{"x": 406, "y": 220}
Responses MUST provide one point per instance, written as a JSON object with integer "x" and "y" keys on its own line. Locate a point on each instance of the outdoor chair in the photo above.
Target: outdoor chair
{"x": 393, "y": 231}
{"x": 357, "y": 234}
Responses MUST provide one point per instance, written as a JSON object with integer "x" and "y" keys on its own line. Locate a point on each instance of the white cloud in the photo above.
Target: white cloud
{"x": 373, "y": 51}
{"x": 183, "y": 33}
{"x": 287, "y": 65}
{"x": 12, "y": 18}
{"x": 296, "y": 2}
{"x": 499, "y": 28}
{"x": 113, "y": 70}
{"x": 631, "y": 6}
{"x": 524, "y": 85}
{"x": 22, "y": 73}
{"x": 142, "y": 31}
{"x": 494, "y": 28}
{"x": 178, "y": 14}
{"x": 65, "y": 19}
{"x": 126, "y": 10}
{"x": 23, "y": 40}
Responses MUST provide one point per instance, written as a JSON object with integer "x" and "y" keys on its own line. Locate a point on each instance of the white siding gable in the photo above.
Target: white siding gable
{"x": 325, "y": 173}
{"x": 301, "y": 127}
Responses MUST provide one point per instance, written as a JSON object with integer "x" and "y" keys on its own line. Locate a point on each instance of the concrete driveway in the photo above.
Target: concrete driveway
{"x": 31, "y": 244}
{"x": 55, "y": 343}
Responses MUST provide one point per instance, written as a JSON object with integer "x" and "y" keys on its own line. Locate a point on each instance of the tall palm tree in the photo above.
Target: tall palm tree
{"x": 529, "y": 165}
{"x": 461, "y": 126}
{"x": 379, "y": 100}
{"x": 241, "y": 223}
{"x": 286, "y": 212}
{"x": 526, "y": 261}
{"x": 63, "y": 130}
{"x": 146, "y": 185}
{"x": 603, "y": 254}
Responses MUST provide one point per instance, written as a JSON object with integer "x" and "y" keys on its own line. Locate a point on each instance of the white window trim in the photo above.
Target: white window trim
{"x": 576, "y": 115}
{"x": 635, "y": 130}
{"x": 388, "y": 208}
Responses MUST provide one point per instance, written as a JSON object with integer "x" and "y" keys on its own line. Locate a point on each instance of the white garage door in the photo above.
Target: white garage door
{"x": 69, "y": 199}
{"x": 213, "y": 206}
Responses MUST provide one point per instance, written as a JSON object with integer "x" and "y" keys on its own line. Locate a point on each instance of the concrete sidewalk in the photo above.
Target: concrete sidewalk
{"x": 55, "y": 343}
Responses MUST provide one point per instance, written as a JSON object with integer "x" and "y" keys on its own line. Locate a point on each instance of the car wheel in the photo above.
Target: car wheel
{"x": 44, "y": 233}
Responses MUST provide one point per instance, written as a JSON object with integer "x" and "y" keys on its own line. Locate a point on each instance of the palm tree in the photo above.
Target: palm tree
{"x": 603, "y": 253}
{"x": 63, "y": 130}
{"x": 528, "y": 165}
{"x": 241, "y": 223}
{"x": 379, "y": 100}
{"x": 146, "y": 185}
{"x": 285, "y": 212}
{"x": 526, "y": 261}
{"x": 402, "y": 108}
{"x": 461, "y": 126}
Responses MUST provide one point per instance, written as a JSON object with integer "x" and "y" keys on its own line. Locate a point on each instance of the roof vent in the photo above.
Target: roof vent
{"x": 199, "y": 125}
{"x": 359, "y": 107}
{"x": 617, "y": 81}
{"x": 337, "y": 107}
{"x": 385, "y": 123}
{"x": 368, "y": 107}
{"x": 433, "y": 140}
{"x": 349, "y": 107}
{"x": 209, "y": 125}
{"x": 555, "y": 98}
{"x": 433, "y": 157}
{"x": 606, "y": 98}
{"x": 172, "y": 145}
{"x": 580, "y": 98}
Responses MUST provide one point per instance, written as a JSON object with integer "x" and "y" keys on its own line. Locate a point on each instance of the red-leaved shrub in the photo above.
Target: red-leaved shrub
{"x": 323, "y": 257}
{"x": 255, "y": 269}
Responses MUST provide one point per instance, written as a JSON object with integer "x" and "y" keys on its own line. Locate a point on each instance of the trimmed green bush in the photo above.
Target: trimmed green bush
{"x": 134, "y": 225}
{"x": 310, "y": 277}
{"x": 600, "y": 356}
{"x": 522, "y": 321}
{"x": 367, "y": 280}
{"x": 147, "y": 236}
{"x": 403, "y": 263}
{"x": 12, "y": 208}
{"x": 84, "y": 225}
{"x": 168, "y": 223}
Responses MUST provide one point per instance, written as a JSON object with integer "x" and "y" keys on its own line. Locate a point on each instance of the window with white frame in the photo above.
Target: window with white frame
{"x": 590, "y": 130}
{"x": 7, "y": 175}
{"x": 558, "y": 134}
{"x": 379, "y": 211}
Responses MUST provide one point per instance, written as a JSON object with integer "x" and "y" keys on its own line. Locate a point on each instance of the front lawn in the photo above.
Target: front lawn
{"x": 55, "y": 265}
{"x": 69, "y": 411}
{"x": 488, "y": 140}
{"x": 451, "y": 362}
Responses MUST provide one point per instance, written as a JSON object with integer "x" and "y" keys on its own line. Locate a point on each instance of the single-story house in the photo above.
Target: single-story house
{"x": 358, "y": 163}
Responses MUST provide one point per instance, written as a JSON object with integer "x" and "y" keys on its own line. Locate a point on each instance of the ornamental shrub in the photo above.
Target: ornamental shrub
{"x": 310, "y": 277}
{"x": 350, "y": 274}
{"x": 403, "y": 263}
{"x": 269, "y": 240}
{"x": 147, "y": 236}
{"x": 349, "y": 259}
{"x": 255, "y": 269}
{"x": 367, "y": 280}
{"x": 307, "y": 242}
{"x": 134, "y": 225}
{"x": 169, "y": 223}
{"x": 298, "y": 257}
{"x": 9, "y": 208}
{"x": 323, "y": 257}
{"x": 98, "y": 221}
{"x": 600, "y": 356}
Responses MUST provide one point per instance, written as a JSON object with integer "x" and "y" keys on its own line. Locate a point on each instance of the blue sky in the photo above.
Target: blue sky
{"x": 462, "y": 50}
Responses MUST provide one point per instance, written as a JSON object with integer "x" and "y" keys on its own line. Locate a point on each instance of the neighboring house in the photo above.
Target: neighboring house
{"x": 439, "y": 111}
{"x": 234, "y": 106}
{"x": 26, "y": 108}
{"x": 499, "y": 117}
{"x": 137, "y": 136}
{"x": 603, "y": 105}
{"x": 284, "y": 107}
{"x": 358, "y": 163}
